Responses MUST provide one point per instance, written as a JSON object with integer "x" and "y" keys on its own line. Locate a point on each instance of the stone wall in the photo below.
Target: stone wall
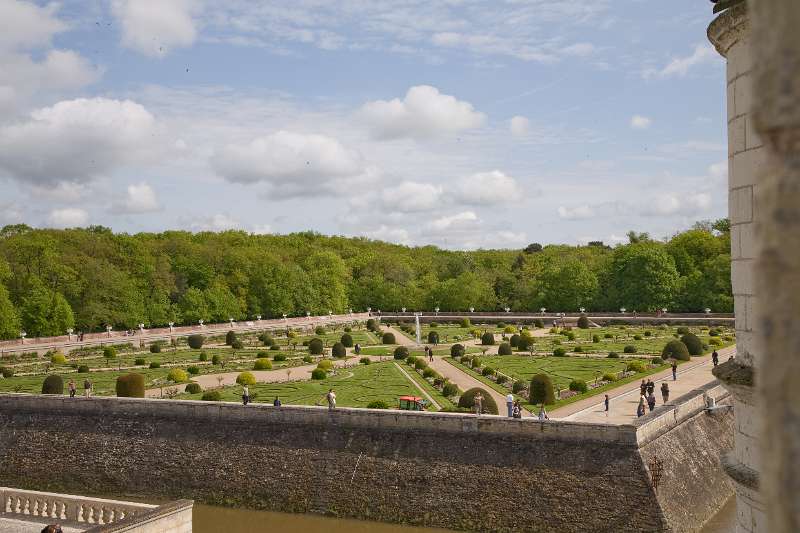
{"x": 447, "y": 470}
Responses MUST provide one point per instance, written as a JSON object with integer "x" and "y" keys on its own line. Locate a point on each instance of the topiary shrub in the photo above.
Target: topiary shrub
{"x": 509, "y": 329}
{"x": 595, "y": 338}
{"x": 504, "y": 349}
{"x": 450, "y": 389}
{"x": 230, "y": 337}
{"x": 675, "y": 349}
{"x": 465, "y": 323}
{"x": 713, "y": 332}
{"x": 434, "y": 324}
{"x": 203, "y": 356}
{"x": 195, "y": 342}
{"x": 682, "y": 330}
{"x": 315, "y": 346}
{"x": 524, "y": 344}
{"x": 319, "y": 330}
{"x": 325, "y": 364}
{"x": 83, "y": 369}
{"x": 608, "y": 336}
{"x": 501, "y": 325}
{"x": 578, "y": 349}
{"x": 583, "y": 322}
{"x": 541, "y": 390}
{"x": 246, "y": 378}
{"x": 237, "y": 344}
{"x": 177, "y": 375}
{"x": 465, "y": 359}
{"x": 637, "y": 337}
{"x": 648, "y": 333}
{"x": 347, "y": 340}
{"x": 58, "y": 358}
{"x": 514, "y": 340}
{"x": 266, "y": 339}
{"x": 559, "y": 352}
{"x": 629, "y": 349}
{"x": 193, "y": 370}
{"x": 501, "y": 378}
{"x": 433, "y": 337}
{"x": 578, "y": 385}
{"x": 487, "y": 339}
{"x": 715, "y": 342}
{"x": 467, "y": 400}
{"x": 193, "y": 388}
{"x": 429, "y": 373}
{"x": 365, "y": 360}
{"x": 372, "y": 324}
{"x": 635, "y": 366}
{"x": 308, "y": 359}
{"x": 53, "y": 384}
{"x": 216, "y": 359}
{"x": 693, "y": 344}
{"x": 613, "y": 355}
{"x": 130, "y": 386}
{"x": 388, "y": 338}
{"x": 419, "y": 364}
{"x": 278, "y": 357}
{"x": 570, "y": 336}
{"x": 262, "y": 364}
{"x": 318, "y": 374}
{"x": 538, "y": 323}
{"x": 155, "y": 364}
{"x": 488, "y": 371}
{"x": 377, "y": 404}
{"x": 400, "y": 353}
{"x": 518, "y": 387}
{"x": 155, "y": 348}
{"x": 475, "y": 362}
{"x": 275, "y": 347}
{"x": 338, "y": 350}
{"x": 609, "y": 377}
{"x": 8, "y": 373}
{"x": 139, "y": 361}
{"x": 457, "y": 351}
{"x": 211, "y": 396}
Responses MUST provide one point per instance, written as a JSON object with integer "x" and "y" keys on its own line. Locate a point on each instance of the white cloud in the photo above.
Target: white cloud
{"x": 293, "y": 164}
{"x": 576, "y": 213}
{"x": 680, "y": 66}
{"x": 464, "y": 219}
{"x": 75, "y": 140}
{"x": 672, "y": 204}
{"x": 579, "y": 49}
{"x": 261, "y": 229}
{"x": 487, "y": 188}
{"x": 519, "y": 126}
{"x": 64, "y": 191}
{"x": 24, "y": 24}
{"x": 218, "y": 222}
{"x": 153, "y": 27}
{"x": 719, "y": 171}
{"x": 140, "y": 198}
{"x": 411, "y": 197}
{"x": 68, "y": 218}
{"x": 424, "y": 112}
{"x": 639, "y": 122}
{"x": 386, "y": 233}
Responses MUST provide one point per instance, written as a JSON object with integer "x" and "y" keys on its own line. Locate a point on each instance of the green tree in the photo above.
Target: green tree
{"x": 46, "y": 313}
{"x": 643, "y": 277}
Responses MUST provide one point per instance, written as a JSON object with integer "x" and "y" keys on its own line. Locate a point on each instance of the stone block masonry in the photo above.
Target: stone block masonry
{"x": 445, "y": 469}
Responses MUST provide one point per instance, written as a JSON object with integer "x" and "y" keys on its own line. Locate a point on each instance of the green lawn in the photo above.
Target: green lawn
{"x": 355, "y": 387}
{"x": 104, "y": 382}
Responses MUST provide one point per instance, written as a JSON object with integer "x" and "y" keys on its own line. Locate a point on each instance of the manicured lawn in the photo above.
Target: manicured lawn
{"x": 354, "y": 387}
{"x": 104, "y": 382}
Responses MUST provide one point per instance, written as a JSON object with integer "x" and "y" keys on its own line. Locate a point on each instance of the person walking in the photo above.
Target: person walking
{"x": 674, "y": 371}
{"x": 245, "y": 395}
{"x": 430, "y": 355}
{"x": 510, "y": 404}
{"x": 651, "y": 387}
{"x": 331, "y": 397}
{"x": 715, "y": 358}
{"x": 665, "y": 392}
{"x": 517, "y": 410}
{"x": 640, "y": 407}
{"x": 87, "y": 388}
{"x": 606, "y": 401}
{"x": 643, "y": 388}
{"x": 276, "y": 402}
{"x": 357, "y": 349}
{"x": 543, "y": 413}
{"x": 478, "y": 403}
{"x": 72, "y": 389}
{"x": 651, "y": 401}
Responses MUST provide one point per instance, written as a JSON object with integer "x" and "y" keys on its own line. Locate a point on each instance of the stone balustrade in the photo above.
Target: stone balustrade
{"x": 65, "y": 507}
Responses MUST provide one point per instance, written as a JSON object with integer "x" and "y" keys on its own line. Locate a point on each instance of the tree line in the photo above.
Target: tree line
{"x": 52, "y": 280}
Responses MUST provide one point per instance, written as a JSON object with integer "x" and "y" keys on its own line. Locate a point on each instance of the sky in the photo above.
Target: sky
{"x": 459, "y": 123}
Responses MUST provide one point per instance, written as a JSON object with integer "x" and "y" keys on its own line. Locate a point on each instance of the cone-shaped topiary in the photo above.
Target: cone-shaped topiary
{"x": 487, "y": 339}
{"x": 675, "y": 350}
{"x": 315, "y": 347}
{"x": 693, "y": 344}
{"x": 53, "y": 384}
{"x": 541, "y": 390}
{"x": 130, "y": 386}
{"x": 504, "y": 349}
{"x": 230, "y": 337}
{"x": 583, "y": 322}
{"x": 388, "y": 338}
{"x": 347, "y": 340}
{"x": 467, "y": 400}
{"x": 457, "y": 350}
{"x": 338, "y": 350}
{"x": 195, "y": 341}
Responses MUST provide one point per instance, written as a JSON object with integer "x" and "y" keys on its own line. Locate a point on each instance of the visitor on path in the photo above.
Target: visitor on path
{"x": 245, "y": 395}
{"x": 430, "y": 355}
{"x": 643, "y": 388}
{"x": 357, "y": 349}
{"x": 665, "y": 392}
{"x": 517, "y": 411}
{"x": 543, "y": 413}
{"x": 510, "y": 404}
{"x": 651, "y": 401}
{"x": 674, "y": 371}
{"x": 276, "y": 402}
{"x": 331, "y": 397}
{"x": 87, "y": 388}
{"x": 715, "y": 358}
{"x": 478, "y": 403}
{"x": 606, "y": 402}
{"x": 640, "y": 407}
{"x": 71, "y": 389}
{"x": 651, "y": 387}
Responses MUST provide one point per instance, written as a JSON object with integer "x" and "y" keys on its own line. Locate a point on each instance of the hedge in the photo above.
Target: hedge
{"x": 377, "y": 404}
{"x": 130, "y": 386}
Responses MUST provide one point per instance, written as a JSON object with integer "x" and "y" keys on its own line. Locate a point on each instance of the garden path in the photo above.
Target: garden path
{"x": 419, "y": 388}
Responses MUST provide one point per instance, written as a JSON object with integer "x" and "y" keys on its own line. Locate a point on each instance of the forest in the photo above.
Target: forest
{"x": 52, "y": 280}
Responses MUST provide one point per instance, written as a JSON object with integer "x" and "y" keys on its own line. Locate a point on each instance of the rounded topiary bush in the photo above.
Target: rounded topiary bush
{"x": 139, "y": 361}
{"x": 401, "y": 352}
{"x": 693, "y": 343}
{"x": 541, "y": 390}
{"x": 488, "y": 371}
{"x": 155, "y": 348}
{"x": 325, "y": 364}
{"x": 216, "y": 359}
{"x": 365, "y": 360}
{"x": 377, "y": 404}
{"x": 465, "y": 323}
{"x": 475, "y": 362}
{"x": 635, "y": 366}
{"x": 347, "y": 340}
{"x": 338, "y": 350}
{"x": 608, "y": 336}
{"x": 155, "y": 364}
{"x": 487, "y": 339}
{"x": 713, "y": 332}
{"x": 372, "y": 324}
{"x": 504, "y": 349}
{"x": 195, "y": 341}
{"x": 237, "y": 344}
{"x": 648, "y": 333}
{"x": 595, "y": 338}
{"x": 318, "y": 374}
{"x": 53, "y": 384}
{"x": 457, "y": 350}
{"x": 509, "y": 329}
{"x": 578, "y": 349}
{"x": 262, "y": 364}
{"x": 58, "y": 358}
{"x": 524, "y": 344}
{"x": 419, "y": 364}
{"x": 578, "y": 385}
{"x": 450, "y": 389}
{"x": 583, "y": 322}
{"x": 202, "y": 357}
{"x": 715, "y": 342}
{"x": 388, "y": 338}
{"x": 559, "y": 352}
{"x": 539, "y": 323}
{"x": 429, "y": 373}
{"x": 246, "y": 378}
{"x": 514, "y": 340}
{"x": 433, "y": 337}
{"x": 230, "y": 337}
{"x": 464, "y": 359}
{"x": 315, "y": 346}
{"x": 130, "y": 386}
{"x": 177, "y": 375}
{"x": 319, "y": 330}
{"x": 266, "y": 339}
{"x": 193, "y": 370}
{"x": 278, "y": 357}
{"x": 193, "y": 388}
{"x": 518, "y": 386}
{"x": 8, "y": 372}
{"x": 608, "y": 376}
{"x": 682, "y": 330}
{"x": 501, "y": 378}
{"x": 675, "y": 350}
{"x": 613, "y": 355}
{"x": 570, "y": 336}
{"x": 83, "y": 369}
{"x": 467, "y": 400}
{"x": 637, "y": 337}
{"x": 629, "y": 349}
{"x": 211, "y": 396}
{"x": 308, "y": 359}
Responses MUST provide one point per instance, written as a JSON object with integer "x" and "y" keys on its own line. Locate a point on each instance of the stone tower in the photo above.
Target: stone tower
{"x": 730, "y": 35}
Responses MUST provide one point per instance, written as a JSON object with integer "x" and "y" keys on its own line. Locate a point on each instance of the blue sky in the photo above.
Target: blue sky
{"x": 460, "y": 123}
